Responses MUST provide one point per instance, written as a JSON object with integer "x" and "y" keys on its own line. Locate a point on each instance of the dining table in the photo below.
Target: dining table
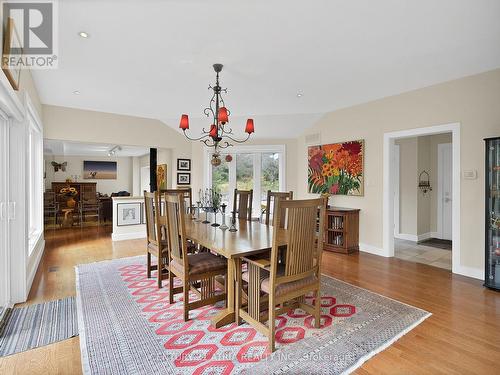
{"x": 250, "y": 238}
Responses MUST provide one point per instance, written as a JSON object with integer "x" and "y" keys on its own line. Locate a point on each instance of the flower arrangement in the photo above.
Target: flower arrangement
{"x": 336, "y": 168}
{"x": 69, "y": 193}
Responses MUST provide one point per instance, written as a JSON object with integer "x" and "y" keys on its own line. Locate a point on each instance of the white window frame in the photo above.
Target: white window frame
{"x": 257, "y": 151}
{"x": 34, "y": 171}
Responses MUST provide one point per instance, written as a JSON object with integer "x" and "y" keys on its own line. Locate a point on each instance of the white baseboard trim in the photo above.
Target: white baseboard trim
{"x": 371, "y": 249}
{"x": 476, "y": 273}
{"x": 416, "y": 237}
{"x": 407, "y": 237}
{"x": 127, "y": 236}
{"x": 426, "y": 236}
{"x": 33, "y": 263}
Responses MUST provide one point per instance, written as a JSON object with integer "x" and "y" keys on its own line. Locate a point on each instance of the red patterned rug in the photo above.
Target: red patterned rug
{"x": 118, "y": 298}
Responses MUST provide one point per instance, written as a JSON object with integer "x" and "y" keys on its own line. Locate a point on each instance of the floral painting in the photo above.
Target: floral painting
{"x": 336, "y": 168}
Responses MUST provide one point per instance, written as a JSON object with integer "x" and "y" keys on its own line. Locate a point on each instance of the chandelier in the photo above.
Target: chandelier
{"x": 219, "y": 135}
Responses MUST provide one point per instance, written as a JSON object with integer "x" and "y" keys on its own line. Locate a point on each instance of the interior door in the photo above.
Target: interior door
{"x": 445, "y": 169}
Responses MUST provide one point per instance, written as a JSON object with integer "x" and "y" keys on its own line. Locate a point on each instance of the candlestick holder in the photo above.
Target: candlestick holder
{"x": 215, "y": 224}
{"x": 232, "y": 228}
{"x": 206, "y": 221}
{"x": 223, "y": 225}
{"x": 197, "y": 210}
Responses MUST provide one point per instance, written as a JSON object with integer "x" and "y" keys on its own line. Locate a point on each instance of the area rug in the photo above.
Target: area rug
{"x": 127, "y": 326}
{"x": 38, "y": 325}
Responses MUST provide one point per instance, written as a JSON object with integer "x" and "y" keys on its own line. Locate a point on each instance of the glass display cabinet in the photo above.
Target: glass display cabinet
{"x": 492, "y": 174}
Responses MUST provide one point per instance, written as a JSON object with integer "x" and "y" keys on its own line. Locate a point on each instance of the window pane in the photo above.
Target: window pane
{"x": 220, "y": 180}
{"x": 244, "y": 171}
{"x": 270, "y": 174}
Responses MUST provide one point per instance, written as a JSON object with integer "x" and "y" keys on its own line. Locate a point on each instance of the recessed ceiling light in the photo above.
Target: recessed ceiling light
{"x": 299, "y": 95}
{"x": 76, "y": 92}
{"x": 83, "y": 34}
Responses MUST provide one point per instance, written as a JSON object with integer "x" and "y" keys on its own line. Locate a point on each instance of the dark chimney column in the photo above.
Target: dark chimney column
{"x": 152, "y": 169}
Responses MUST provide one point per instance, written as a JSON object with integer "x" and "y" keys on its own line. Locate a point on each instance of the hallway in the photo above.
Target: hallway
{"x": 419, "y": 253}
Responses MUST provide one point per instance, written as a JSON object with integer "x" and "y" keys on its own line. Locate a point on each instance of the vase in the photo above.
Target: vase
{"x": 71, "y": 203}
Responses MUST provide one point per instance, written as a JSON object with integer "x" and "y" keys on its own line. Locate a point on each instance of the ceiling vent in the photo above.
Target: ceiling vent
{"x": 313, "y": 139}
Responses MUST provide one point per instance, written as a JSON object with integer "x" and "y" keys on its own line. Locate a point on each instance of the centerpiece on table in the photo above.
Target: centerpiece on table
{"x": 69, "y": 193}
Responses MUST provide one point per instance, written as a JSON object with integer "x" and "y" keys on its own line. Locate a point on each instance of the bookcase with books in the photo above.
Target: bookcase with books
{"x": 342, "y": 230}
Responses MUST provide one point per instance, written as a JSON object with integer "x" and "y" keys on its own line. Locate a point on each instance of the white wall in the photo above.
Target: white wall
{"x": 408, "y": 207}
{"x": 124, "y": 175}
{"x": 471, "y": 101}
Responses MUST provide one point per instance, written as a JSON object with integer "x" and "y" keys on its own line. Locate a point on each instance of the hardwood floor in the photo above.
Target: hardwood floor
{"x": 461, "y": 337}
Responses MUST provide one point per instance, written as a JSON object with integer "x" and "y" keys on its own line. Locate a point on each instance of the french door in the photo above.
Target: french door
{"x": 248, "y": 167}
{"x": 4, "y": 212}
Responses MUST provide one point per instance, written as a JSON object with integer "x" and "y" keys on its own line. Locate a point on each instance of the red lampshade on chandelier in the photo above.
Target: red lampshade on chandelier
{"x": 220, "y": 134}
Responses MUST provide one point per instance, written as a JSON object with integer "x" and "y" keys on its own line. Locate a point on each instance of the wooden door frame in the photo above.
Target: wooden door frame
{"x": 397, "y": 183}
{"x": 388, "y": 189}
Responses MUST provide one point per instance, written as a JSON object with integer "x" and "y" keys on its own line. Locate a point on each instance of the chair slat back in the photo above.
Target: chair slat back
{"x": 242, "y": 203}
{"x": 272, "y": 198}
{"x": 49, "y": 199}
{"x": 187, "y": 194}
{"x": 176, "y": 227}
{"x": 303, "y": 254}
{"x": 151, "y": 206}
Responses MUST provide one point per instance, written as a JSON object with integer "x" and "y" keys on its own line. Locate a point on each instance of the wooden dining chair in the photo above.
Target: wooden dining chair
{"x": 188, "y": 205}
{"x": 50, "y": 206}
{"x": 187, "y": 194}
{"x": 198, "y": 271}
{"x": 89, "y": 206}
{"x": 156, "y": 237}
{"x": 285, "y": 285}
{"x": 272, "y": 198}
{"x": 242, "y": 203}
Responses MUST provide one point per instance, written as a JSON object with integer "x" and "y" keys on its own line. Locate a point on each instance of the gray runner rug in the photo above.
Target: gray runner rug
{"x": 37, "y": 325}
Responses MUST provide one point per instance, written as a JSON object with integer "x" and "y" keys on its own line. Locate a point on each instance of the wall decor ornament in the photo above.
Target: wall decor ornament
{"x": 62, "y": 166}
{"x": 336, "y": 168}
{"x": 424, "y": 183}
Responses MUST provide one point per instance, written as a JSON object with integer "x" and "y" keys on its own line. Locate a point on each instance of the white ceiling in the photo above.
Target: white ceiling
{"x": 65, "y": 148}
{"x": 154, "y": 58}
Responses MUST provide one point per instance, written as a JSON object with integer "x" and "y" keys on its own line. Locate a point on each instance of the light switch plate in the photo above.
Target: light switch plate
{"x": 470, "y": 174}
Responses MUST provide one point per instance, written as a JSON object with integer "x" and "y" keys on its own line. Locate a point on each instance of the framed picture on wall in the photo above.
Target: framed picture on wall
{"x": 337, "y": 168}
{"x": 128, "y": 214}
{"x": 183, "y": 164}
{"x": 183, "y": 178}
{"x": 99, "y": 170}
{"x": 12, "y": 41}
{"x": 161, "y": 176}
